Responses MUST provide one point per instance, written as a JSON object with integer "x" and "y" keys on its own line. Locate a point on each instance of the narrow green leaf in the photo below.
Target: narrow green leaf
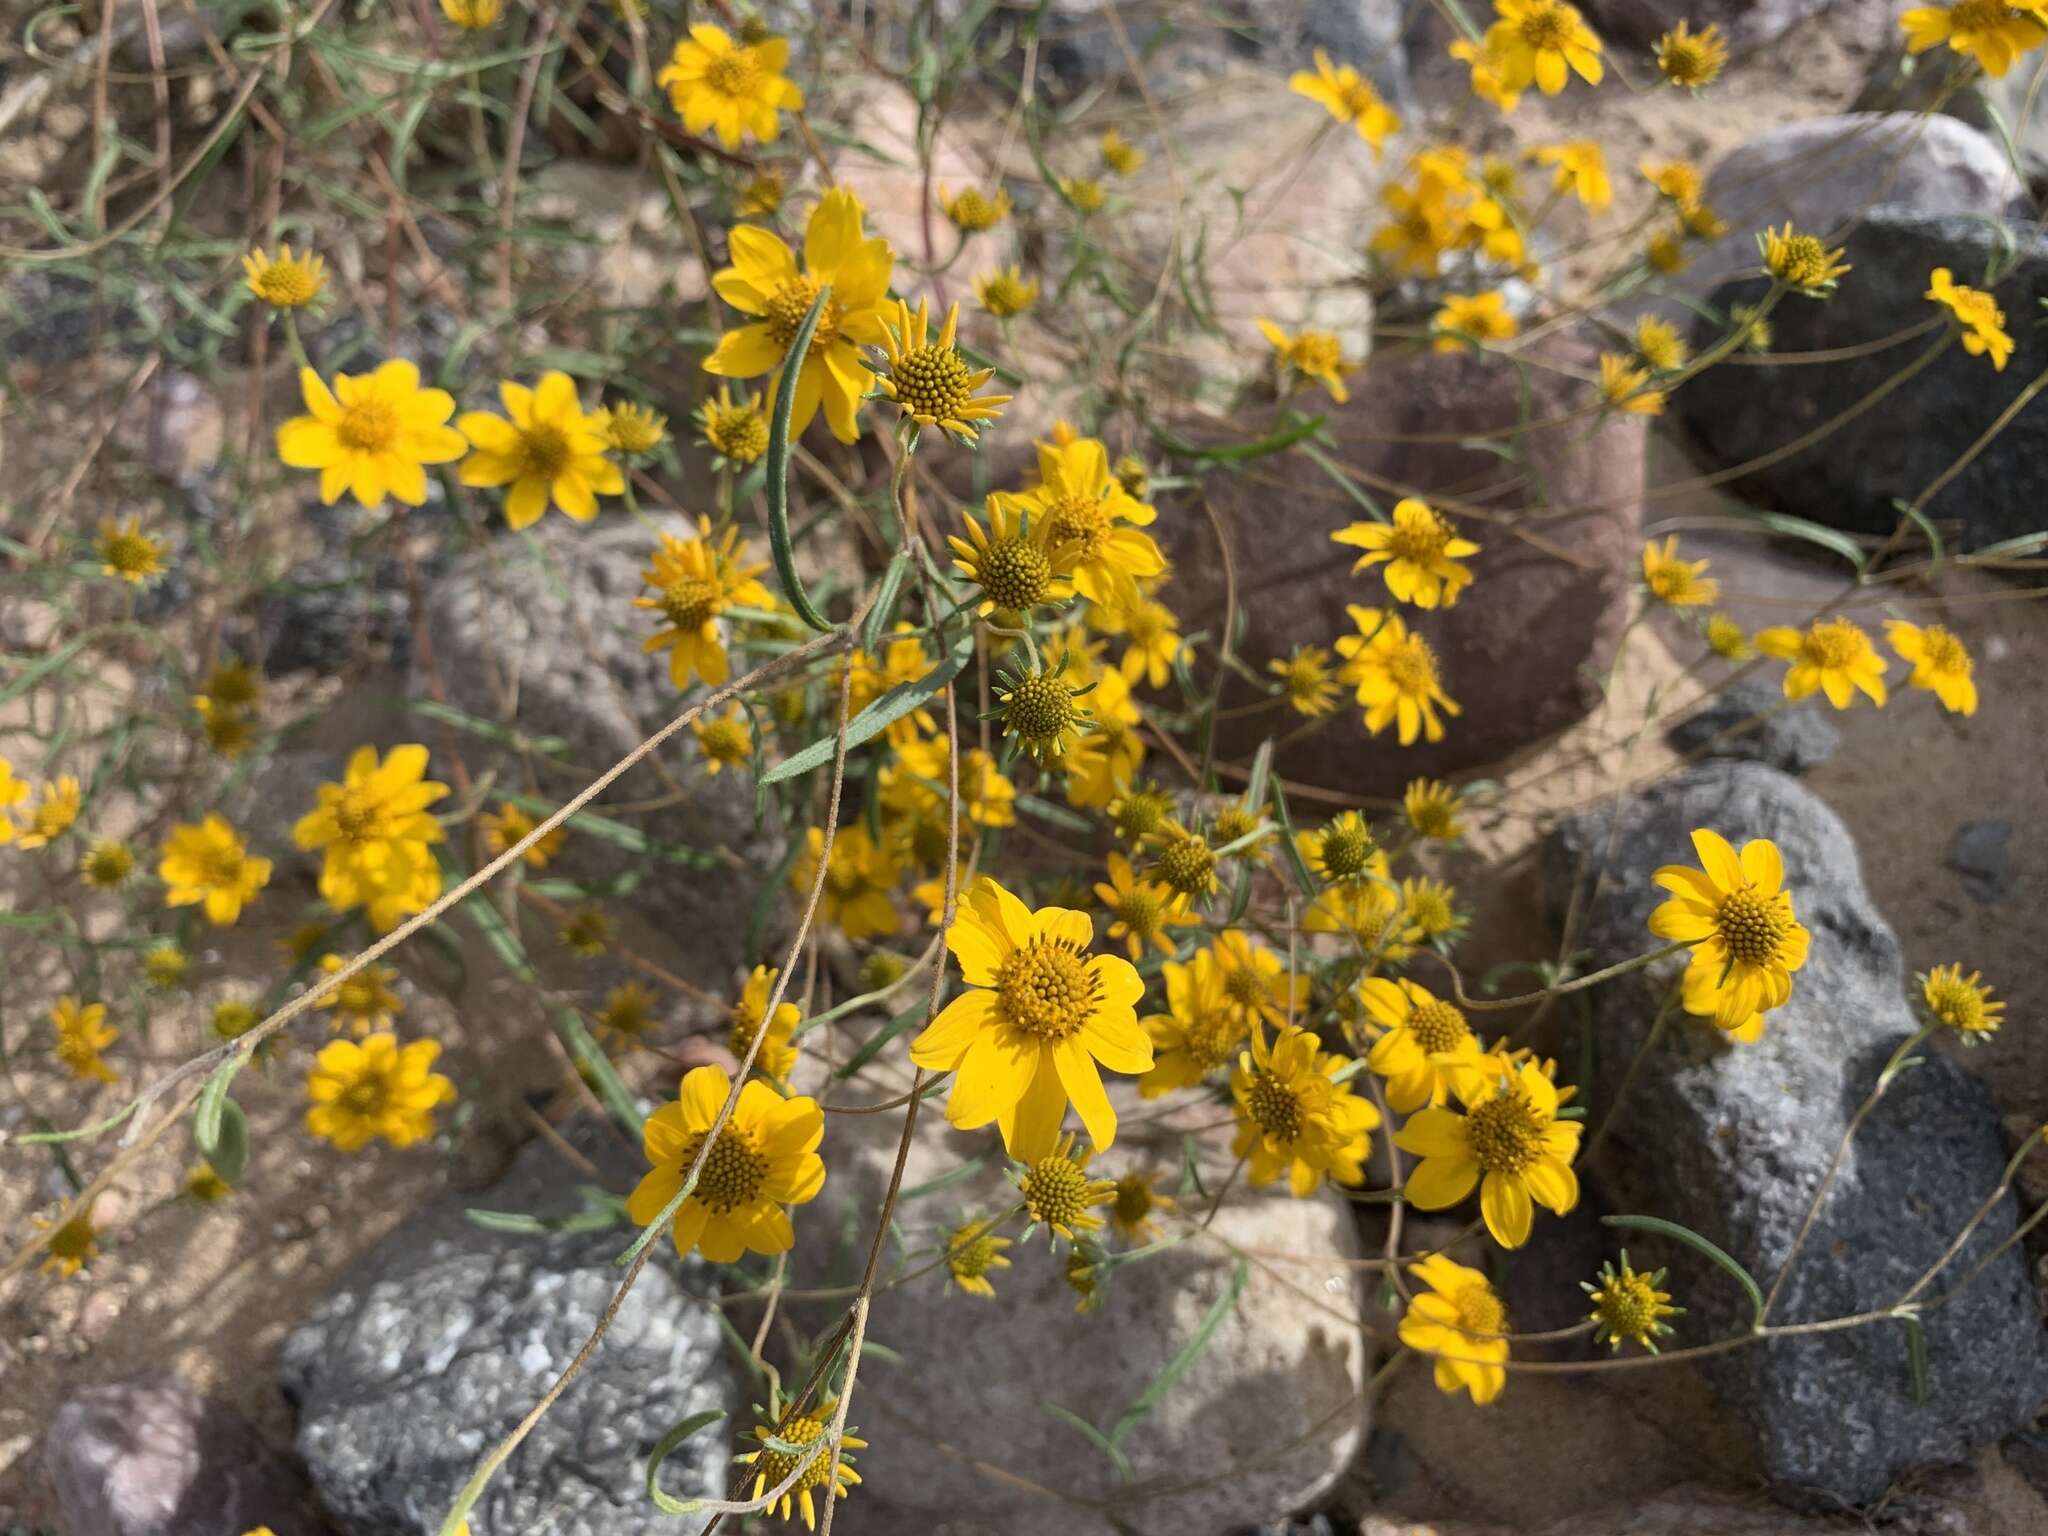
{"x": 777, "y": 459}
{"x": 1184, "y": 1358}
{"x": 228, "y": 1155}
{"x": 1698, "y": 1244}
{"x": 1295, "y": 862}
{"x": 901, "y": 700}
{"x": 885, "y": 601}
{"x": 1278, "y": 441}
{"x": 1925, "y": 525}
{"x": 1813, "y": 533}
{"x": 881, "y": 1038}
{"x": 1916, "y": 1356}
{"x": 664, "y": 1448}
{"x": 1092, "y": 1435}
{"x": 207, "y": 1114}
{"x": 489, "y": 730}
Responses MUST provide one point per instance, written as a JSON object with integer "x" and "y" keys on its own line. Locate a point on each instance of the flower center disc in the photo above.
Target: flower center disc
{"x": 369, "y": 426}
{"x": 547, "y": 451}
{"x": 1479, "y": 1310}
{"x": 1437, "y": 1026}
{"x": 1505, "y": 1132}
{"x": 791, "y": 302}
{"x": 690, "y": 603}
{"x": 1546, "y": 27}
{"x": 733, "y": 1173}
{"x": 1187, "y": 865}
{"x": 1082, "y": 521}
{"x": 1274, "y": 1106}
{"x": 1014, "y": 572}
{"x": 1056, "y": 1191}
{"x": 931, "y": 381}
{"x": 1345, "y": 851}
{"x": 1045, "y": 989}
{"x": 1750, "y": 926}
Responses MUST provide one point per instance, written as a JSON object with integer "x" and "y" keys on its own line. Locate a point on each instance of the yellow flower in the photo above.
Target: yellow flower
{"x": 1366, "y": 910}
{"x": 1201, "y": 1031}
{"x": 549, "y": 450}
{"x": 1628, "y": 387}
{"x": 1941, "y": 663}
{"x": 1666, "y": 252}
{"x": 472, "y": 15}
{"x": 1013, "y": 561}
{"x": 12, "y": 792}
{"x": 82, "y": 1033}
{"x": 732, "y": 89}
{"x": 1151, "y": 636}
{"x": 1690, "y": 60}
{"x": 1680, "y": 583}
{"x": 1394, "y": 673}
{"x": 374, "y": 835}
{"x": 1961, "y": 1003}
{"x": 1140, "y": 911}
{"x": 1137, "y": 1201}
{"x": 129, "y": 553}
{"x": 761, "y": 196}
{"x": 1349, "y": 98}
{"x": 1294, "y": 1118}
{"x": 362, "y": 1003}
{"x": 694, "y": 581}
{"x": 1659, "y": 346}
{"x": 765, "y": 280}
{"x": 1544, "y": 42}
{"x": 586, "y": 932}
{"x": 1305, "y": 680}
{"x": 1750, "y": 323}
{"x": 919, "y": 778}
{"x": 1420, "y": 233}
{"x": 1432, "y": 810}
{"x": 71, "y": 1245}
{"x": 234, "y": 1017}
{"x": 1184, "y": 863}
{"x": 1628, "y": 1305}
{"x": 1058, "y": 1192}
{"x": 1488, "y": 80}
{"x": 630, "y": 428}
{"x": 858, "y": 879}
{"x": 736, "y": 433}
{"x": 1508, "y": 1141}
{"x": 1421, "y": 551}
{"x": 766, "y": 1158}
{"x": 285, "y": 281}
{"x": 1342, "y": 850}
{"x": 931, "y": 382}
{"x": 904, "y": 660}
{"x": 1462, "y": 1324}
{"x": 1006, "y": 292}
{"x": 627, "y": 1013}
{"x": 372, "y": 434}
{"x": 1426, "y": 1046}
{"x": 773, "y": 1467}
{"x": 1479, "y": 317}
{"x": 777, "y": 1057}
{"x": 1119, "y": 154}
{"x": 1982, "y": 321}
{"x": 971, "y": 1252}
{"x": 52, "y": 815}
{"x": 206, "y": 862}
{"x": 971, "y": 211}
{"x": 1093, "y": 525}
{"x": 1728, "y": 639}
{"x": 1737, "y": 916}
{"x": 1039, "y": 709}
{"x": 1084, "y": 192}
{"x": 375, "y": 1089}
{"x": 164, "y": 965}
{"x": 1679, "y": 181}
{"x": 1314, "y": 355}
{"x": 1992, "y": 33}
{"x": 508, "y": 824}
{"x": 107, "y": 863}
{"x": 1801, "y": 262}
{"x": 727, "y": 740}
{"x": 1833, "y": 656}
{"x": 1432, "y": 907}
{"x": 227, "y": 731}
{"x": 209, "y": 1188}
{"x": 1581, "y": 169}
{"x": 1039, "y": 1016}
{"x": 1140, "y": 812}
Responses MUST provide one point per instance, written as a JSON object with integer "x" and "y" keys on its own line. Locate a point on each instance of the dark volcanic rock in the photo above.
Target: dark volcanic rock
{"x": 1793, "y": 739}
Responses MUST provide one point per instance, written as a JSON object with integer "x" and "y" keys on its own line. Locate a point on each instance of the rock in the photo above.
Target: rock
{"x": 1851, "y": 476}
{"x": 151, "y": 1457}
{"x": 441, "y": 1338}
{"x": 1564, "y": 575}
{"x": 330, "y": 611}
{"x": 1980, "y": 856}
{"x": 1734, "y": 1140}
{"x": 1981, "y": 101}
{"x": 1743, "y": 22}
{"x": 175, "y": 426}
{"x": 1791, "y": 739}
{"x": 975, "y": 1372}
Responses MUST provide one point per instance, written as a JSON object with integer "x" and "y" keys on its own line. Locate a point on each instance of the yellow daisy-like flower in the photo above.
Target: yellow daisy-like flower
{"x": 375, "y": 1089}
{"x": 374, "y": 835}
{"x": 1349, "y": 97}
{"x": 726, "y": 740}
{"x": 550, "y": 450}
{"x": 1183, "y": 862}
{"x": 1201, "y": 1031}
{"x": 1343, "y": 850}
{"x": 627, "y": 1014}
{"x": 630, "y": 428}
{"x": 1305, "y": 680}
{"x": 1691, "y": 60}
{"x": 917, "y": 783}
{"x": 1833, "y": 656}
{"x": 372, "y": 435}
{"x": 53, "y": 813}
{"x": 472, "y": 15}
{"x": 1426, "y": 1046}
{"x": 586, "y": 932}
{"x": 1982, "y": 321}
{"x": 1040, "y": 710}
{"x": 70, "y": 1246}
{"x": 1801, "y": 262}
{"x": 930, "y": 381}
{"x": 1628, "y": 388}
{"x": 1489, "y": 83}
{"x": 1728, "y": 639}
{"x": 1151, "y": 636}
{"x": 732, "y": 89}
{"x": 1040, "y": 1017}
{"x": 971, "y": 1252}
{"x": 694, "y": 581}
{"x": 1460, "y": 1323}
{"x": 1581, "y": 170}
{"x": 164, "y": 965}
{"x": 508, "y": 824}
{"x": 206, "y": 862}
{"x": 1961, "y": 1003}
{"x": 82, "y": 1034}
{"x": 1544, "y": 42}
{"x": 1093, "y": 525}
{"x": 761, "y": 196}
{"x": 1941, "y": 663}
{"x": 285, "y": 281}
{"x": 1294, "y": 1118}
{"x": 1480, "y": 317}
{"x": 1058, "y": 1192}
{"x": 1678, "y": 583}
{"x": 858, "y": 880}
{"x": 1737, "y": 915}
{"x": 1421, "y": 230}
{"x": 904, "y": 660}
{"x": 1013, "y": 562}
{"x": 1138, "y": 1201}
{"x": 765, "y": 280}
{"x": 364, "y": 1002}
{"x": 1395, "y": 676}
{"x": 973, "y": 211}
{"x": 1006, "y": 291}
{"x": 1659, "y": 346}
{"x": 766, "y": 1158}
{"x": 106, "y": 864}
{"x": 1431, "y": 906}
{"x": 1140, "y": 911}
{"x": 1677, "y": 181}
{"x": 1431, "y": 807}
{"x": 1316, "y": 355}
{"x": 1992, "y": 33}
{"x": 1508, "y": 1141}
{"x": 129, "y": 553}
{"x": 800, "y": 1431}
{"x": 1421, "y": 551}
{"x": 735, "y": 432}
{"x": 1119, "y": 154}
{"x": 234, "y": 1017}
{"x": 1666, "y": 252}
{"x": 1628, "y": 1306}
{"x": 1084, "y": 192}
{"x": 777, "y": 1057}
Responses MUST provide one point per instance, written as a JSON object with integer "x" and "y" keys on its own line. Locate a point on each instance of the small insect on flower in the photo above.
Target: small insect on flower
{"x": 504, "y": 827}
{"x": 1737, "y": 916}
{"x": 1691, "y": 60}
{"x": 1941, "y": 663}
{"x": 129, "y": 553}
{"x": 371, "y": 434}
{"x": 1833, "y": 656}
{"x": 1728, "y": 639}
{"x": 1431, "y": 807}
{"x": 1989, "y": 31}
{"x": 361, "y": 1004}
{"x": 735, "y": 432}
{"x": 1348, "y": 97}
{"x": 1294, "y": 1118}
{"x": 82, "y": 1034}
{"x": 1508, "y": 1141}
{"x": 206, "y": 862}
{"x": 930, "y": 381}
{"x": 1977, "y": 313}
{"x": 1961, "y": 1003}
{"x": 1421, "y": 551}
{"x": 971, "y": 1252}
{"x": 801, "y": 1432}
{"x": 1801, "y": 262}
{"x": 1675, "y": 582}
{"x": 1581, "y": 170}
{"x": 71, "y": 1245}
{"x": 1006, "y": 292}
{"x": 1628, "y": 388}
{"x": 107, "y": 864}
{"x": 1058, "y": 1191}
{"x": 777, "y": 1057}
{"x": 1394, "y": 673}
{"x": 694, "y": 581}
{"x": 1467, "y": 318}
{"x": 726, "y": 740}
{"x": 1119, "y": 154}
{"x": 472, "y": 15}
{"x": 973, "y": 211}
{"x": 732, "y": 89}
{"x": 375, "y": 1089}
{"x": 1463, "y": 1324}
{"x": 1309, "y": 355}
{"x": 1544, "y": 42}
{"x": 285, "y": 281}
{"x": 1627, "y": 1306}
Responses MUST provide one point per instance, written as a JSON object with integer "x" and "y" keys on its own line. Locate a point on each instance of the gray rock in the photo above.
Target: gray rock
{"x": 153, "y": 1458}
{"x": 1733, "y": 1141}
{"x": 1852, "y": 475}
{"x": 1979, "y": 854}
{"x": 1981, "y": 101}
{"x": 1744, "y": 22}
{"x": 1792, "y": 739}
{"x": 443, "y": 1336}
